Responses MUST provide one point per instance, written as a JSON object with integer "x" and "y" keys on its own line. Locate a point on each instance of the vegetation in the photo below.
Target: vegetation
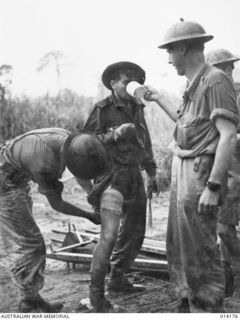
{"x": 20, "y": 114}
{"x": 69, "y": 110}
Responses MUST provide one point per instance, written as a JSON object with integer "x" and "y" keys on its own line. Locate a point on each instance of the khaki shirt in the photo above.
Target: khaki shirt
{"x": 108, "y": 115}
{"x": 210, "y": 95}
{"x": 40, "y": 155}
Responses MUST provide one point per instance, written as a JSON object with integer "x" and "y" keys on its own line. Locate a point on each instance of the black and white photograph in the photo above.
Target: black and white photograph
{"x": 119, "y": 158}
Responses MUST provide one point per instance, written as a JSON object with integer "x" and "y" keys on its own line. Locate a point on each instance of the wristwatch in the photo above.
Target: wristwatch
{"x": 213, "y": 186}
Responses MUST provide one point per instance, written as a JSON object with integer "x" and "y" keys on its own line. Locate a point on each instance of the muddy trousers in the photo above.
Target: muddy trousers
{"x": 192, "y": 251}
{"x": 230, "y": 255}
{"x": 122, "y": 235}
{"x": 228, "y": 218}
{"x": 22, "y": 240}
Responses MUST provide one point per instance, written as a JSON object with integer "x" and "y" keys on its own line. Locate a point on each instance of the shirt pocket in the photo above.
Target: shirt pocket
{"x": 202, "y": 167}
{"x": 184, "y": 135}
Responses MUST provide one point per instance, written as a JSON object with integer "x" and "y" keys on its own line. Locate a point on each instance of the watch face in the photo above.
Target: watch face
{"x": 213, "y": 186}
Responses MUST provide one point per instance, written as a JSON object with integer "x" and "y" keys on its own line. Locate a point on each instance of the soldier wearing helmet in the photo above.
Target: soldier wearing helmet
{"x": 120, "y": 193}
{"x": 41, "y": 156}
{"x": 223, "y": 60}
{"x": 228, "y": 216}
{"x": 205, "y": 137}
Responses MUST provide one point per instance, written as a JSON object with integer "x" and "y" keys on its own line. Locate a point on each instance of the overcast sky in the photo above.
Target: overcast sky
{"x": 95, "y": 33}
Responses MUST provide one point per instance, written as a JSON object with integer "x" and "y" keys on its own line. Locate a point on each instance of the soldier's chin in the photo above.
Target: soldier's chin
{"x": 128, "y": 97}
{"x": 180, "y": 72}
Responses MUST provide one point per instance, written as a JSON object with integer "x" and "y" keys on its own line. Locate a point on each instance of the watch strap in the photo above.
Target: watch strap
{"x": 213, "y": 186}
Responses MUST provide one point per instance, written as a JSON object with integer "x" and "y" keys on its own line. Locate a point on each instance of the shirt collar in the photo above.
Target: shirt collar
{"x": 189, "y": 92}
{"x": 116, "y": 102}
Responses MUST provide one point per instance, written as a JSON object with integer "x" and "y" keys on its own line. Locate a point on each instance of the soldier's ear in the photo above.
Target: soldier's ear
{"x": 183, "y": 49}
{"x": 113, "y": 84}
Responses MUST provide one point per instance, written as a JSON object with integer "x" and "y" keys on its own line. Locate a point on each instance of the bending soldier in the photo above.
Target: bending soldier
{"x": 41, "y": 156}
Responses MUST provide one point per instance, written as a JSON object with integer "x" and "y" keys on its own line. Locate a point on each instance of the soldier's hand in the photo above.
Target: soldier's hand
{"x": 152, "y": 186}
{"x": 208, "y": 202}
{"x": 124, "y": 130}
{"x": 151, "y": 94}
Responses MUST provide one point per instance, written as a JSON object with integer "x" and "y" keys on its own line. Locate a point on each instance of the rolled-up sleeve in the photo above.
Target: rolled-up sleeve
{"x": 222, "y": 101}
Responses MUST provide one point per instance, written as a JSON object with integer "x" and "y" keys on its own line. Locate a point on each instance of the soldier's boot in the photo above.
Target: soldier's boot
{"x": 98, "y": 301}
{"x": 38, "y": 304}
{"x": 100, "y": 304}
{"x": 184, "y": 306}
{"x": 122, "y": 284}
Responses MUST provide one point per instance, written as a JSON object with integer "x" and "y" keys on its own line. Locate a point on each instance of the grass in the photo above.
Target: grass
{"x": 69, "y": 110}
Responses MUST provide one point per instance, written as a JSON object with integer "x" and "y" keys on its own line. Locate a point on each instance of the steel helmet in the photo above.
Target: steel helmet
{"x": 86, "y": 156}
{"x": 218, "y": 56}
{"x": 183, "y": 31}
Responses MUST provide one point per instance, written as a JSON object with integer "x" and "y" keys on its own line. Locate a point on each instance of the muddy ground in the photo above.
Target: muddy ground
{"x": 71, "y": 285}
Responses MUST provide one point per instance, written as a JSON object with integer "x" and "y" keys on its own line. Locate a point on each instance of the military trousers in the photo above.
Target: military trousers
{"x": 192, "y": 251}
{"x": 228, "y": 217}
{"x": 24, "y": 247}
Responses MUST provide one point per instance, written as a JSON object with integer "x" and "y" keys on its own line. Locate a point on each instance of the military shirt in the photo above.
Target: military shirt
{"x": 39, "y": 154}
{"x": 108, "y": 115}
{"x": 210, "y": 95}
{"x": 235, "y": 169}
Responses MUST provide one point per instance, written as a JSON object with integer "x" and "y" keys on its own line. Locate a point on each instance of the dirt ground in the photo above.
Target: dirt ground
{"x": 71, "y": 285}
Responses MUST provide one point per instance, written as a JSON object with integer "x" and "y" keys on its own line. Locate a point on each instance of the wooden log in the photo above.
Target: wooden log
{"x": 139, "y": 264}
{"x": 73, "y": 246}
{"x": 83, "y": 258}
{"x": 153, "y": 249}
{"x": 154, "y": 242}
{"x": 159, "y": 247}
{"x": 56, "y": 240}
{"x": 149, "y": 245}
{"x": 59, "y": 231}
{"x": 153, "y": 264}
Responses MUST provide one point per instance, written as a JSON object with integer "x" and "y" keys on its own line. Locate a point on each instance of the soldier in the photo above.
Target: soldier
{"x": 228, "y": 216}
{"x": 120, "y": 194}
{"x": 205, "y": 138}
{"x": 41, "y": 156}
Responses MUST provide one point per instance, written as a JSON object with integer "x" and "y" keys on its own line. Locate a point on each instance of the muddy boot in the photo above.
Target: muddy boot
{"x": 123, "y": 285}
{"x": 229, "y": 279}
{"x": 181, "y": 306}
{"x": 27, "y": 306}
{"x": 98, "y": 301}
{"x": 184, "y": 306}
{"x": 38, "y": 304}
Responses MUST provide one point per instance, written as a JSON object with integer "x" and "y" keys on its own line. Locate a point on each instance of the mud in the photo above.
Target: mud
{"x": 70, "y": 286}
